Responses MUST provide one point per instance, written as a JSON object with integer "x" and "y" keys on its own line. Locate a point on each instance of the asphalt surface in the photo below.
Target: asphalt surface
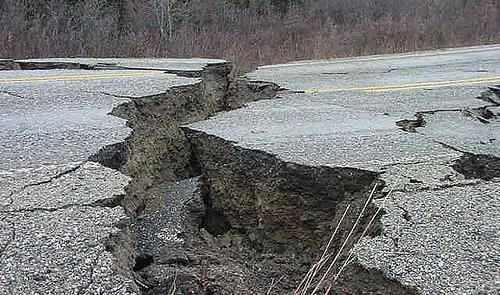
{"x": 441, "y": 231}
{"x": 59, "y": 116}
{"x": 53, "y": 229}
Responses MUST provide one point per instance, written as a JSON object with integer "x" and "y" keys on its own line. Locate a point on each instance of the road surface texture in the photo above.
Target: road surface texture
{"x": 200, "y": 184}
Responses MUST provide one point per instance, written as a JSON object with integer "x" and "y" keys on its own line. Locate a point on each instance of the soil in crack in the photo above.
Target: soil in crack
{"x": 484, "y": 167}
{"x": 276, "y": 216}
{"x": 249, "y": 220}
{"x": 412, "y": 125}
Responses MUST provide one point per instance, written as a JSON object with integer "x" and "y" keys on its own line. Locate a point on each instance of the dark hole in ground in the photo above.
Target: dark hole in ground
{"x": 215, "y": 222}
{"x": 110, "y": 202}
{"x": 484, "y": 167}
{"x": 143, "y": 261}
{"x": 411, "y": 125}
{"x": 111, "y": 156}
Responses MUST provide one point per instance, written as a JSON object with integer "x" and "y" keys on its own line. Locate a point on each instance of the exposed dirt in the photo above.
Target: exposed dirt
{"x": 412, "y": 125}
{"x": 157, "y": 150}
{"x": 482, "y": 114}
{"x": 212, "y": 218}
{"x": 271, "y": 219}
{"x": 256, "y": 193}
{"x": 492, "y": 95}
{"x": 484, "y": 167}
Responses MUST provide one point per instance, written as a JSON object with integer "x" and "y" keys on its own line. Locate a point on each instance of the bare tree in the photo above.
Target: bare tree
{"x": 158, "y": 15}
{"x": 248, "y": 32}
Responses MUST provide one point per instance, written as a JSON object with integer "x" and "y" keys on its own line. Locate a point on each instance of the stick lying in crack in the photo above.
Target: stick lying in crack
{"x": 345, "y": 240}
{"x": 349, "y": 258}
{"x": 173, "y": 288}
{"x": 324, "y": 258}
{"x": 274, "y": 283}
{"x": 306, "y": 283}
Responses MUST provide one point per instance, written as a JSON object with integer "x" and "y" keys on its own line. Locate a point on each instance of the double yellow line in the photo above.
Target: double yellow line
{"x": 81, "y": 77}
{"x": 158, "y": 73}
{"x": 410, "y": 86}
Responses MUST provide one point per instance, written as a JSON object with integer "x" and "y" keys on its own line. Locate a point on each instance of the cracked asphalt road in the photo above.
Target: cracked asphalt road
{"x": 441, "y": 232}
{"x": 55, "y": 218}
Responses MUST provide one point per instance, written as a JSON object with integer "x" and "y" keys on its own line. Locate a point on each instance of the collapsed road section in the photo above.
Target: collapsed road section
{"x": 438, "y": 179}
{"x": 308, "y": 190}
{"x": 63, "y": 229}
{"x": 186, "y": 240}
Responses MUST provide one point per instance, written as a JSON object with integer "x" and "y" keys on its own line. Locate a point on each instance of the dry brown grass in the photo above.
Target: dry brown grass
{"x": 320, "y": 29}
{"x": 320, "y": 277}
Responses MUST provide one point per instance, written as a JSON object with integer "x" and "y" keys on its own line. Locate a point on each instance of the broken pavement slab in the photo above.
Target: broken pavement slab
{"x": 189, "y": 67}
{"x": 349, "y": 120}
{"x": 55, "y": 228}
{"x": 61, "y": 252}
{"x": 63, "y": 230}
{"x": 442, "y": 239}
{"x": 84, "y": 184}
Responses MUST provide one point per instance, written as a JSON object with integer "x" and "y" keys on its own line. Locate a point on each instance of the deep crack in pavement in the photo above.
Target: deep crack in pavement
{"x": 232, "y": 202}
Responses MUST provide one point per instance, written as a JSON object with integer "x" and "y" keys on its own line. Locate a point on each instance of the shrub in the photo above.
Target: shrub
{"x": 248, "y": 32}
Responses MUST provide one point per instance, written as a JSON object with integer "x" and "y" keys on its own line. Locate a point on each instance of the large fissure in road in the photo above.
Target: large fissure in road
{"x": 209, "y": 217}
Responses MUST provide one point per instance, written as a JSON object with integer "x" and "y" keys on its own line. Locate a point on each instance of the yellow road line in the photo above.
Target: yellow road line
{"x": 410, "y": 86}
{"x": 81, "y": 77}
{"x": 436, "y": 86}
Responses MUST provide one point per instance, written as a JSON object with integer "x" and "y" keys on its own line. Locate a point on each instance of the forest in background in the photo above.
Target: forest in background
{"x": 247, "y": 32}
